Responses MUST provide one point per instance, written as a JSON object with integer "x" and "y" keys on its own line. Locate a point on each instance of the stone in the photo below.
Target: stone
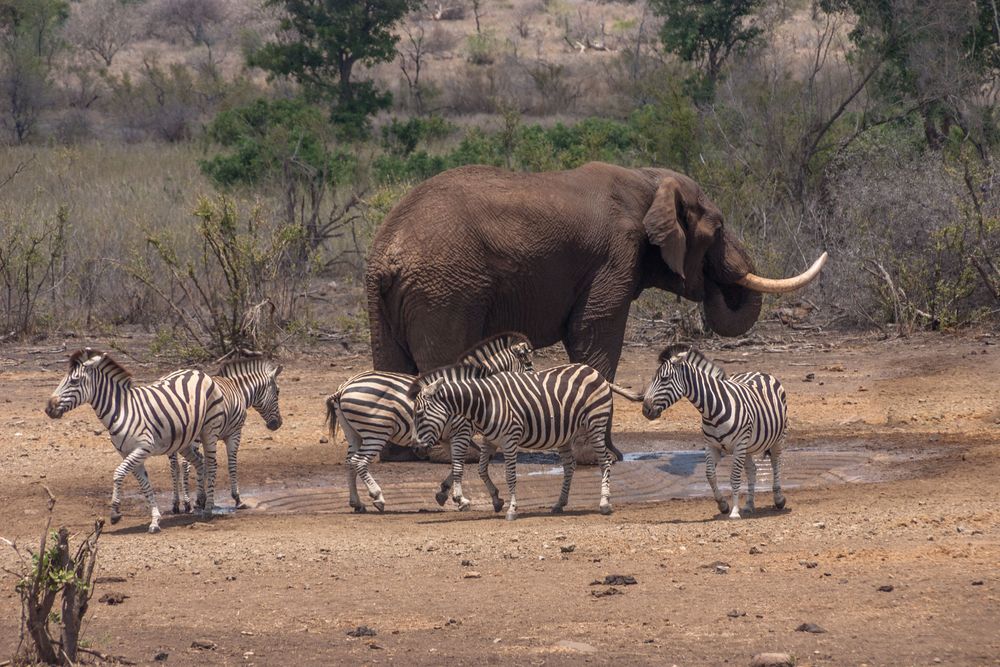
{"x": 772, "y": 660}
{"x": 576, "y": 647}
{"x": 472, "y": 574}
{"x": 885, "y": 589}
{"x": 203, "y": 645}
{"x": 567, "y": 548}
{"x": 810, "y": 627}
{"x": 362, "y": 631}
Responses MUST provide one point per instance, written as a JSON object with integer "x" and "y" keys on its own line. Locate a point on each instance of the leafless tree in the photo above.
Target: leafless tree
{"x": 103, "y": 28}
{"x": 412, "y": 53}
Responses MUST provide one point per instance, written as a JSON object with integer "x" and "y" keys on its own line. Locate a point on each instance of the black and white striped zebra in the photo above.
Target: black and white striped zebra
{"x": 245, "y": 384}
{"x": 536, "y": 410}
{"x": 164, "y": 417}
{"x": 742, "y": 415}
{"x": 374, "y": 408}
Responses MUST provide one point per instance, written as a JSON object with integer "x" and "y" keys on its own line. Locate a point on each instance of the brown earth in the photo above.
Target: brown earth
{"x": 270, "y": 587}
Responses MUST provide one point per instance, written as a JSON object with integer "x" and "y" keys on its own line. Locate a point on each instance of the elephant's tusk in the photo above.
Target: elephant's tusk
{"x": 781, "y": 285}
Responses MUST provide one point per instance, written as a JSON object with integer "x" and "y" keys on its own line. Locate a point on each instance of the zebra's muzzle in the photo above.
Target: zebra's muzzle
{"x": 53, "y": 409}
{"x": 650, "y": 412}
{"x": 274, "y": 425}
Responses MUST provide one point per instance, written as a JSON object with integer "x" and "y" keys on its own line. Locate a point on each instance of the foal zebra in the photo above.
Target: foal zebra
{"x": 374, "y": 408}
{"x": 245, "y": 384}
{"x": 163, "y": 417}
{"x": 534, "y": 410}
{"x": 742, "y": 415}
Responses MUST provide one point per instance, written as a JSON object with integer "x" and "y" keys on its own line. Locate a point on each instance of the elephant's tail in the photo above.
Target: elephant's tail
{"x": 332, "y": 401}
{"x": 627, "y": 393}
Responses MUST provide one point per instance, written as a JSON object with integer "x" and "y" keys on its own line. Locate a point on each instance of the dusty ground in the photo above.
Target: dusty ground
{"x": 439, "y": 586}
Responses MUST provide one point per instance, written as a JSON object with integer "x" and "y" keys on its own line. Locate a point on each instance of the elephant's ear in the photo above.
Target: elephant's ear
{"x": 663, "y": 224}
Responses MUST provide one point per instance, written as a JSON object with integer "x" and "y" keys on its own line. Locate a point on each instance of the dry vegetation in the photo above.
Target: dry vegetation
{"x": 797, "y": 144}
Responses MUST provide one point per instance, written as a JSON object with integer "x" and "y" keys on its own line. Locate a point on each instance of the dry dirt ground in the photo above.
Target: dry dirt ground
{"x": 439, "y": 586}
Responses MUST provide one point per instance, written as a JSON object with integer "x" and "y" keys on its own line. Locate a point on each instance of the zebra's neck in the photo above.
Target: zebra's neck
{"x": 467, "y": 401}
{"x": 699, "y": 387}
{"x": 241, "y": 388}
{"x": 112, "y": 393}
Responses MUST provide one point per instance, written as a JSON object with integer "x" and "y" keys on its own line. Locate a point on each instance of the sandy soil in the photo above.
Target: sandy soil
{"x": 441, "y": 586}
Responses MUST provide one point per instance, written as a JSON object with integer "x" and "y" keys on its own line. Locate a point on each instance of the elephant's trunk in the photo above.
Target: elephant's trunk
{"x": 730, "y": 307}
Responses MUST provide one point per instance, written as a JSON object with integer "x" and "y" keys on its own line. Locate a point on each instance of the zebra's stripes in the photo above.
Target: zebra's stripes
{"x": 742, "y": 415}
{"x": 245, "y": 384}
{"x": 534, "y": 410}
{"x": 164, "y": 417}
{"x": 373, "y": 407}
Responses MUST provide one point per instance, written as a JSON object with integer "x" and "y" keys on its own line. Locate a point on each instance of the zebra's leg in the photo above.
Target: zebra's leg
{"x": 569, "y": 465}
{"x": 712, "y": 456}
{"x": 484, "y": 474}
{"x": 736, "y": 477}
{"x": 510, "y": 468}
{"x": 459, "y": 448}
{"x": 353, "y": 445}
{"x": 598, "y": 439}
{"x": 779, "y": 497}
{"x": 175, "y": 477}
{"x": 185, "y": 484}
{"x": 361, "y": 462}
{"x": 128, "y": 464}
{"x": 751, "y": 468}
{"x": 232, "y": 449}
{"x": 211, "y": 466}
{"x": 194, "y": 458}
{"x": 139, "y": 472}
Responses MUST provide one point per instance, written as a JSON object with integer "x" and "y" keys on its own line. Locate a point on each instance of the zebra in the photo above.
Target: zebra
{"x": 245, "y": 383}
{"x": 374, "y": 408}
{"x": 742, "y": 415}
{"x": 163, "y": 417}
{"x": 532, "y": 410}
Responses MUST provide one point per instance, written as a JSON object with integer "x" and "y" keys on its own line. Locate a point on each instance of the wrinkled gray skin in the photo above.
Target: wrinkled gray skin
{"x": 559, "y": 256}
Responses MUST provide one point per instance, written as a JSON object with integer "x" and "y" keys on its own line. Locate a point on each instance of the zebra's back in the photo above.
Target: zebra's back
{"x": 377, "y": 401}
{"x": 174, "y": 410}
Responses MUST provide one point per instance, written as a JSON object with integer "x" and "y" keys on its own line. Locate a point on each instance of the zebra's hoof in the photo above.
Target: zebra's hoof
{"x": 153, "y": 528}
{"x": 240, "y": 505}
{"x": 379, "y": 505}
{"x": 115, "y": 517}
{"x": 557, "y": 509}
{"x": 606, "y": 509}
{"x": 723, "y": 507}
{"x": 441, "y": 497}
{"x": 779, "y": 503}
{"x": 187, "y": 507}
{"x": 359, "y": 509}
{"x": 207, "y": 514}
{"x": 464, "y": 504}
{"x": 749, "y": 509}
{"x": 200, "y": 502}
{"x": 497, "y": 504}
{"x": 511, "y": 516}
{"x": 176, "y": 509}
{"x": 735, "y": 515}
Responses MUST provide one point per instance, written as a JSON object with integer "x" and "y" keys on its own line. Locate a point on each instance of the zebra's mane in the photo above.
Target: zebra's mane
{"x": 510, "y": 338}
{"x": 237, "y": 367}
{"x": 692, "y": 357}
{"x": 453, "y": 372}
{"x": 109, "y": 364}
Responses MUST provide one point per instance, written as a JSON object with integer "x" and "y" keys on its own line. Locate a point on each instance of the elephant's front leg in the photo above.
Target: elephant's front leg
{"x": 232, "y": 450}
{"x": 712, "y": 455}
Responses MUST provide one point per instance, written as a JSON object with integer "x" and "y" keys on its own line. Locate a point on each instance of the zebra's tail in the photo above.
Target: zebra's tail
{"x": 331, "y": 414}
{"x": 627, "y": 393}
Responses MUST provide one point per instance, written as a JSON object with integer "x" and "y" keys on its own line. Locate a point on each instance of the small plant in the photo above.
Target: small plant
{"x": 43, "y": 576}
{"x": 32, "y": 263}
{"x": 482, "y": 48}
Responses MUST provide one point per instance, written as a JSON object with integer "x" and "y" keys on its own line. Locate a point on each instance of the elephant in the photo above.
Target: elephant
{"x": 559, "y": 256}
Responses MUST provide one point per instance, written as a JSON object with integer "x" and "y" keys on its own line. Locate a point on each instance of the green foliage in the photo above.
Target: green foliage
{"x": 669, "y": 128}
{"x": 269, "y": 140}
{"x": 481, "y": 48}
{"x": 322, "y": 43}
{"x": 706, "y": 32}
{"x": 402, "y": 137}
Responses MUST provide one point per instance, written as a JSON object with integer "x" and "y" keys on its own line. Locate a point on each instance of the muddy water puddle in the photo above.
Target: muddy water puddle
{"x": 664, "y": 472}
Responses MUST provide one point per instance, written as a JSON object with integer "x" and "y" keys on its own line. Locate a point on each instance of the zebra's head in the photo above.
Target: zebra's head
{"x": 77, "y": 386}
{"x": 266, "y": 400}
{"x": 523, "y": 358}
{"x": 430, "y": 413}
{"x": 666, "y": 387}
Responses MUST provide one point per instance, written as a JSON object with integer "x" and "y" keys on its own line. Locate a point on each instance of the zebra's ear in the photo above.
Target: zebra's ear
{"x": 277, "y": 371}
{"x": 94, "y": 359}
{"x": 522, "y": 350}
